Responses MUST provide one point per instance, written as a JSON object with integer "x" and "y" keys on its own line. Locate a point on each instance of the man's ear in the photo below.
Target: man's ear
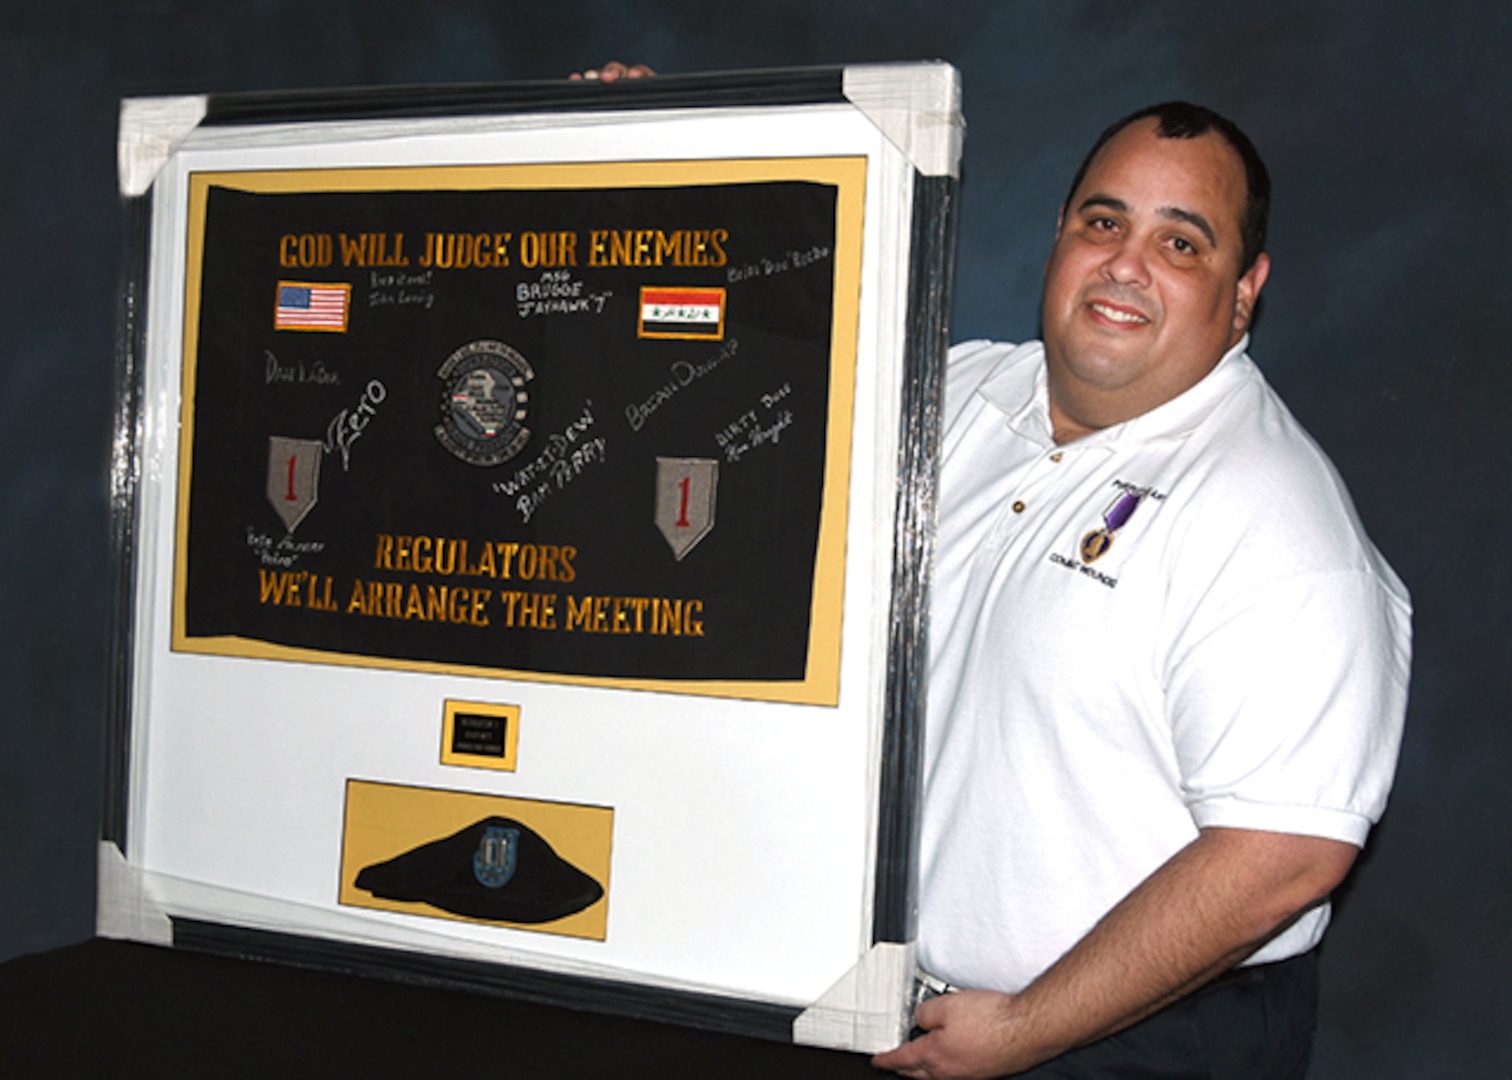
{"x": 1249, "y": 294}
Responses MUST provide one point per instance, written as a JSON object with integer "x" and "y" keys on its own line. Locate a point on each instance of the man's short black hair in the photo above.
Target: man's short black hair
{"x": 1181, "y": 120}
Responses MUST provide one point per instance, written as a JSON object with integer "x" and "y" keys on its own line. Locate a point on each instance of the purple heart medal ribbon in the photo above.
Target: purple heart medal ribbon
{"x": 1097, "y": 542}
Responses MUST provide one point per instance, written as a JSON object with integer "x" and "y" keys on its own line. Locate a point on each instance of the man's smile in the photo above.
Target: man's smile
{"x": 1115, "y": 313}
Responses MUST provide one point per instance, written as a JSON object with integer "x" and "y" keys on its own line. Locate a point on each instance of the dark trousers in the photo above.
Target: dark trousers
{"x": 1254, "y": 1023}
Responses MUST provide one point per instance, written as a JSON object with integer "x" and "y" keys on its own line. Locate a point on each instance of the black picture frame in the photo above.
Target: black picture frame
{"x": 201, "y": 765}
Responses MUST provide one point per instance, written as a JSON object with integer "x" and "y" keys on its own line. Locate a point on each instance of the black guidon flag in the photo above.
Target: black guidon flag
{"x": 497, "y": 869}
{"x": 466, "y": 470}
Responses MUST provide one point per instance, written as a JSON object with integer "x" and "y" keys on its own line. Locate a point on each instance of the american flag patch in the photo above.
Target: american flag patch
{"x": 305, "y": 305}
{"x": 682, "y": 313}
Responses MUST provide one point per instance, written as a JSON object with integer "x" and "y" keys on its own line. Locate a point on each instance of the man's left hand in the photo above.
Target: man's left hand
{"x": 613, "y": 71}
{"x": 968, "y": 1035}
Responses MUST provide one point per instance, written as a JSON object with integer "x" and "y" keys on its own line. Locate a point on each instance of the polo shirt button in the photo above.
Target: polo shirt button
{"x": 1056, "y": 457}
{"x": 1018, "y": 507}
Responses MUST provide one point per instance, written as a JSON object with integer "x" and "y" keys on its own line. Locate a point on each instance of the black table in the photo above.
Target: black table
{"x": 108, "y": 1008}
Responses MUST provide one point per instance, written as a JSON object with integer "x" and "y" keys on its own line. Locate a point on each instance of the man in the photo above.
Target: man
{"x": 1168, "y": 669}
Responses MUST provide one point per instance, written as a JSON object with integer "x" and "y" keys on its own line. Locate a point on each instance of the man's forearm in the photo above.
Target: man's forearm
{"x": 1211, "y": 905}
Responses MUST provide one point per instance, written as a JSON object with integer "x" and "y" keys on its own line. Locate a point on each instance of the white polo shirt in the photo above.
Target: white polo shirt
{"x": 1173, "y": 623}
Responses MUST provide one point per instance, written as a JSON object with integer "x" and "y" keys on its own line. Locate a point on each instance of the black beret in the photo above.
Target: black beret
{"x": 495, "y": 869}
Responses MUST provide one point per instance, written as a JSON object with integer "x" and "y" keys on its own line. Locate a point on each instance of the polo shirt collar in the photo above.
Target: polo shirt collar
{"x": 1020, "y": 390}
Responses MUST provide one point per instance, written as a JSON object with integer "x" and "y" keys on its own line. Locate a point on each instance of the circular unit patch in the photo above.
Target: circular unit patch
{"x": 485, "y": 403}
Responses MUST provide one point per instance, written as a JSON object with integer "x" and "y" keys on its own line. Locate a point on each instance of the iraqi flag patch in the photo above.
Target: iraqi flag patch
{"x": 681, "y": 313}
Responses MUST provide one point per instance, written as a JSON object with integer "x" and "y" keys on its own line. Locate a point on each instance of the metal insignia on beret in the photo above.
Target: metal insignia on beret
{"x": 497, "y": 856}
{"x": 485, "y": 403}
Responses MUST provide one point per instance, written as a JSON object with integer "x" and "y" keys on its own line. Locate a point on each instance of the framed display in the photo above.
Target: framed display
{"x": 524, "y": 497}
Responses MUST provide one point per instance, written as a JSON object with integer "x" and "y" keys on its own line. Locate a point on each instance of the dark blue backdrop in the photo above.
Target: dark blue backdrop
{"x": 1388, "y": 129}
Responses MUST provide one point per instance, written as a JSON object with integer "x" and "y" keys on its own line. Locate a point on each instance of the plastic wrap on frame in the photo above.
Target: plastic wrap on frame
{"x": 125, "y": 464}
{"x": 860, "y": 1012}
{"x": 867, "y": 1010}
{"x": 929, "y": 286}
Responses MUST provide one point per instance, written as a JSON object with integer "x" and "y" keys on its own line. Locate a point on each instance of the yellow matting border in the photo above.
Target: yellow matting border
{"x": 821, "y": 685}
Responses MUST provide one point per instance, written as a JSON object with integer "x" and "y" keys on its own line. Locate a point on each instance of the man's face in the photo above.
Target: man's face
{"x": 1143, "y": 293}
